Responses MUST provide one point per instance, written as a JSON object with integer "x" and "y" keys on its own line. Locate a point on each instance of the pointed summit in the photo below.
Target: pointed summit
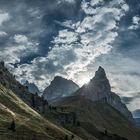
{"x": 100, "y": 73}
{"x": 58, "y": 78}
{"x": 100, "y": 82}
{"x": 99, "y": 88}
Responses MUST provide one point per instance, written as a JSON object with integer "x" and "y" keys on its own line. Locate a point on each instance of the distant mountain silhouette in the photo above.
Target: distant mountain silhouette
{"x": 32, "y": 88}
{"x": 59, "y": 87}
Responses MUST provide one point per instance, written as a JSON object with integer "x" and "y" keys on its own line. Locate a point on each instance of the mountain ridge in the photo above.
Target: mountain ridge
{"x": 99, "y": 88}
{"x": 8, "y": 80}
{"x": 84, "y": 116}
{"x": 97, "y": 116}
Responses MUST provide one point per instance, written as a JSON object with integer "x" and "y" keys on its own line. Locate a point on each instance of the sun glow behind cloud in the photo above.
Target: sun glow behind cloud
{"x": 83, "y": 80}
{"x": 75, "y": 49}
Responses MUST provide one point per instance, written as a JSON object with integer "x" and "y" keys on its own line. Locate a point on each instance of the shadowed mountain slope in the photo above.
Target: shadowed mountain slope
{"x": 29, "y": 125}
{"x": 99, "y": 88}
{"x": 97, "y": 117}
{"x": 8, "y": 80}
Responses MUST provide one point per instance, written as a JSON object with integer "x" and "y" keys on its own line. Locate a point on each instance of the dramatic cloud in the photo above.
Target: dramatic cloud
{"x": 20, "y": 39}
{"x": 3, "y": 17}
{"x": 19, "y": 47}
{"x": 3, "y": 34}
{"x": 135, "y": 23}
{"x": 75, "y": 48}
{"x": 71, "y": 38}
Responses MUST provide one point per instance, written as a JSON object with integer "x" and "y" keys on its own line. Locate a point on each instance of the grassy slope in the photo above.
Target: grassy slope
{"x": 29, "y": 124}
{"x": 101, "y": 116}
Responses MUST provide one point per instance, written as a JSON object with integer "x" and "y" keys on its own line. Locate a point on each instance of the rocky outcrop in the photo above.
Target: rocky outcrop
{"x": 8, "y": 80}
{"x": 59, "y": 88}
{"x": 99, "y": 88}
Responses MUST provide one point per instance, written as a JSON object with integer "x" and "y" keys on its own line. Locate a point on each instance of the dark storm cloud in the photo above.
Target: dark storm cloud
{"x": 68, "y": 27}
{"x": 36, "y": 19}
{"x": 127, "y": 41}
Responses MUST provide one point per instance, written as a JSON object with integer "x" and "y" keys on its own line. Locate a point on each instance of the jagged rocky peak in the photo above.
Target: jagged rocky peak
{"x": 60, "y": 87}
{"x": 8, "y": 80}
{"x": 58, "y": 80}
{"x": 100, "y": 73}
{"x": 99, "y": 88}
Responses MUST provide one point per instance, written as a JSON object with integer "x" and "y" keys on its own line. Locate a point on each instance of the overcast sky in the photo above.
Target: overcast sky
{"x": 40, "y": 39}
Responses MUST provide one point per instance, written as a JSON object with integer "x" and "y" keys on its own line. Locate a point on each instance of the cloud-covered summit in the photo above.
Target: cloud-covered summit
{"x": 71, "y": 38}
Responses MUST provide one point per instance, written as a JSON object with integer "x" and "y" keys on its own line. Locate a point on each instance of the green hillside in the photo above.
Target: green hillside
{"x": 29, "y": 124}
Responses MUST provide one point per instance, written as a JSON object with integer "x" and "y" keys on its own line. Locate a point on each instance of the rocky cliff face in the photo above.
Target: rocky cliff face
{"x": 8, "y": 80}
{"x": 59, "y": 88}
{"x": 99, "y": 88}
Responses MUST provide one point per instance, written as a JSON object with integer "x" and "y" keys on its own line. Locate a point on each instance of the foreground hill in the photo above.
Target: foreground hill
{"x": 94, "y": 119}
{"x": 29, "y": 124}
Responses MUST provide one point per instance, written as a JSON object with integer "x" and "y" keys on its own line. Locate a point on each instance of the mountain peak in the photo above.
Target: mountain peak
{"x": 99, "y": 88}
{"x": 60, "y": 87}
{"x": 100, "y": 81}
{"x": 58, "y": 78}
{"x": 100, "y": 73}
